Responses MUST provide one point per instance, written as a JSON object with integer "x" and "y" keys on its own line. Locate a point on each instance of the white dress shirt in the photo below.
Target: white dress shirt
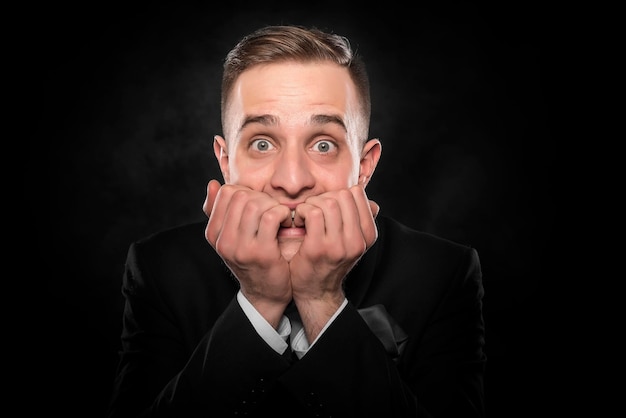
{"x": 277, "y": 338}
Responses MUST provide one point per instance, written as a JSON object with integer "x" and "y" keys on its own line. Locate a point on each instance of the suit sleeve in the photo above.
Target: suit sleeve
{"x": 349, "y": 373}
{"x": 439, "y": 373}
{"x": 230, "y": 370}
{"x": 449, "y": 361}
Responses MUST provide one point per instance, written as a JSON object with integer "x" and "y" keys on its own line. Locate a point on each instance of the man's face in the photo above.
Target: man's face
{"x": 292, "y": 131}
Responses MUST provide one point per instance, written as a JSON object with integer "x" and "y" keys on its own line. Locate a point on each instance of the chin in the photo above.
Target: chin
{"x": 289, "y": 247}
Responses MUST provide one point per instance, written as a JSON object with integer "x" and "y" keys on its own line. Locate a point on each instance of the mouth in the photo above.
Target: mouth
{"x": 291, "y": 232}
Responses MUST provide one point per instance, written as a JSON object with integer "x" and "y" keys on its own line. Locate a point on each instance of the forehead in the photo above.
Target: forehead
{"x": 289, "y": 88}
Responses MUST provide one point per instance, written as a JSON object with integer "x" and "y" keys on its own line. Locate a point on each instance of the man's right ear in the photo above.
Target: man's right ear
{"x": 221, "y": 154}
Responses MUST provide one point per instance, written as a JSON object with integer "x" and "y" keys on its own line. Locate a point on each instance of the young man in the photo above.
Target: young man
{"x": 295, "y": 298}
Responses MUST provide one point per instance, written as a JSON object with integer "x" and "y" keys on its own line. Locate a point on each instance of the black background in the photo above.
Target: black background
{"x": 127, "y": 106}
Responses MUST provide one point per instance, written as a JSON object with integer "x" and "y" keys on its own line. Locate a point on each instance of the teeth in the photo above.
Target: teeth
{"x": 293, "y": 214}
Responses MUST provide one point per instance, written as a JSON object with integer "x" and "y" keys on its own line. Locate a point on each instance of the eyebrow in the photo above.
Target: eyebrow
{"x": 326, "y": 119}
{"x": 265, "y": 120}
{"x": 271, "y": 120}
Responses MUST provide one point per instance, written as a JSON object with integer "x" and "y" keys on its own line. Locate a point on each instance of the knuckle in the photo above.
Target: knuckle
{"x": 251, "y": 207}
{"x": 345, "y": 194}
{"x": 222, "y": 246}
{"x": 332, "y": 205}
{"x": 238, "y": 196}
{"x": 316, "y": 213}
{"x": 269, "y": 218}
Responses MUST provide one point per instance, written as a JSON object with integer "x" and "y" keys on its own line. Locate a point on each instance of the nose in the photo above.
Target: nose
{"x": 292, "y": 172}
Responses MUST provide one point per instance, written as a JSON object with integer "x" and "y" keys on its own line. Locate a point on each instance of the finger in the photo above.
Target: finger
{"x": 290, "y": 220}
{"x": 349, "y": 232}
{"x": 367, "y": 210}
{"x": 271, "y": 221}
{"x": 218, "y": 217}
{"x": 311, "y": 217}
{"x": 211, "y": 192}
{"x": 375, "y": 208}
{"x": 331, "y": 206}
{"x": 241, "y": 219}
{"x": 254, "y": 206}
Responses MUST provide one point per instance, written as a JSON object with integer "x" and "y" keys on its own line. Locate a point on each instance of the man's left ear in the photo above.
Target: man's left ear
{"x": 369, "y": 160}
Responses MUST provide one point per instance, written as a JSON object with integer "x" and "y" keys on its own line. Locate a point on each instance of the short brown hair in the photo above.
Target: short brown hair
{"x": 278, "y": 43}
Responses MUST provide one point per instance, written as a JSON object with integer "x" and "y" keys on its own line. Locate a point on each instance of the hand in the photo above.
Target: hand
{"x": 340, "y": 228}
{"x": 242, "y": 228}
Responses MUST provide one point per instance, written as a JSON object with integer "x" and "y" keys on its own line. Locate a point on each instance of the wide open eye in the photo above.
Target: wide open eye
{"x": 261, "y": 145}
{"x": 324, "y": 146}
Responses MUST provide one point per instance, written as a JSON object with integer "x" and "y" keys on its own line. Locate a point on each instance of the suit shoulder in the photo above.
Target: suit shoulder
{"x": 182, "y": 243}
{"x": 411, "y": 248}
{"x": 184, "y": 234}
{"x": 427, "y": 257}
{"x": 394, "y": 232}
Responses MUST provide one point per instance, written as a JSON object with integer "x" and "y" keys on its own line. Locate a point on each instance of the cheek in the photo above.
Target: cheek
{"x": 340, "y": 177}
{"x": 246, "y": 173}
{"x": 351, "y": 170}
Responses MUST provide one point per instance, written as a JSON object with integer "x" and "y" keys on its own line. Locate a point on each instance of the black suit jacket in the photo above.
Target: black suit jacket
{"x": 189, "y": 350}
